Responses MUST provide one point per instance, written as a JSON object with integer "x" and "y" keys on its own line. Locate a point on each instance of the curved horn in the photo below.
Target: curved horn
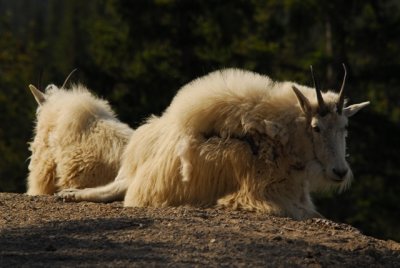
{"x": 340, "y": 102}
{"x": 322, "y": 109}
{"x": 68, "y": 77}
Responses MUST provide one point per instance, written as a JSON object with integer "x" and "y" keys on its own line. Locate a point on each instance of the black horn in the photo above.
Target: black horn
{"x": 340, "y": 102}
{"x": 322, "y": 109}
{"x": 68, "y": 77}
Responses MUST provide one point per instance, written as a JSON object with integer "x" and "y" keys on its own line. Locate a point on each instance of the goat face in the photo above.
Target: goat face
{"x": 327, "y": 129}
{"x": 329, "y": 145}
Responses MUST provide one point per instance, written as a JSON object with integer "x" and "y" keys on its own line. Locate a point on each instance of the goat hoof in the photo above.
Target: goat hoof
{"x": 67, "y": 195}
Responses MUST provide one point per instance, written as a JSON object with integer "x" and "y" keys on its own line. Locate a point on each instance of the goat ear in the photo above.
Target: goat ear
{"x": 39, "y": 96}
{"x": 304, "y": 102}
{"x": 353, "y": 109}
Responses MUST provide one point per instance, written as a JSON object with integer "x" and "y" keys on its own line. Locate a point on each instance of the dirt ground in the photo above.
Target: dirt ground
{"x": 45, "y": 232}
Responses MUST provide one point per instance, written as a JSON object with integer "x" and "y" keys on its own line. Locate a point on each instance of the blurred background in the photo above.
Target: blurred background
{"x": 137, "y": 54}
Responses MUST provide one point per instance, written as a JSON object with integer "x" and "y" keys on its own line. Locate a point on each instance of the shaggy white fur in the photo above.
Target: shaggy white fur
{"x": 78, "y": 141}
{"x": 236, "y": 139}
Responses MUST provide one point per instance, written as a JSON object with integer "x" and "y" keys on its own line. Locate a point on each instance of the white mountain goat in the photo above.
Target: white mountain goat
{"x": 78, "y": 141}
{"x": 236, "y": 139}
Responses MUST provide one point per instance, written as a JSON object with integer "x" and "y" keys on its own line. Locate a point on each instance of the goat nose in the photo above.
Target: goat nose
{"x": 340, "y": 172}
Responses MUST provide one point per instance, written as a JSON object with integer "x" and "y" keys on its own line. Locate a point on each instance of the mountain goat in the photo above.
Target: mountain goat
{"x": 236, "y": 139}
{"x": 78, "y": 141}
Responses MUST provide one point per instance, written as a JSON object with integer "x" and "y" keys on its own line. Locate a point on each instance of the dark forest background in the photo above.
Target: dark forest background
{"x": 137, "y": 54}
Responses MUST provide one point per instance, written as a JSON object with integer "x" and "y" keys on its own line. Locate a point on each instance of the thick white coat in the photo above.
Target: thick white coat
{"x": 78, "y": 141}
{"x": 235, "y": 139}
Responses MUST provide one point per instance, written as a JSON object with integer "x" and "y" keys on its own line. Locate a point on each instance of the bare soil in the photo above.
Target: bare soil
{"x": 45, "y": 232}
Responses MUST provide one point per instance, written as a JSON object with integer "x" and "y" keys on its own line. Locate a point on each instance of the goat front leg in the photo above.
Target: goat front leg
{"x": 114, "y": 191}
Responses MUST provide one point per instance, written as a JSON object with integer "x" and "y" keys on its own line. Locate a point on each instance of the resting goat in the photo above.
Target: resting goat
{"x": 236, "y": 139}
{"x": 78, "y": 141}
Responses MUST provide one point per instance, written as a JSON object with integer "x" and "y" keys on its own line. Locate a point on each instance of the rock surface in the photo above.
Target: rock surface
{"x": 45, "y": 232}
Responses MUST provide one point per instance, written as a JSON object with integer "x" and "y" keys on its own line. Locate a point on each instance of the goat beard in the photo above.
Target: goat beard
{"x": 319, "y": 180}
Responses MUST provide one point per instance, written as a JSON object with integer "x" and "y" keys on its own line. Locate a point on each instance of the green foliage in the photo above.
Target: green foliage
{"x": 15, "y": 107}
{"x": 138, "y": 53}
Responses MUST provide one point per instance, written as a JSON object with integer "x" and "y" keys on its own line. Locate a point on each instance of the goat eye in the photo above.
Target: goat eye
{"x": 316, "y": 129}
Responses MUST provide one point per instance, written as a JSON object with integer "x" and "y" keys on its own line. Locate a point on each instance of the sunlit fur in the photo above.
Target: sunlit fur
{"x": 235, "y": 139}
{"x": 78, "y": 141}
